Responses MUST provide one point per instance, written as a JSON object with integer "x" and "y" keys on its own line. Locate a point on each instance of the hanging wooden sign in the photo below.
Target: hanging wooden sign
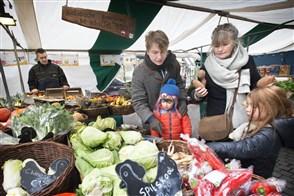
{"x": 118, "y": 24}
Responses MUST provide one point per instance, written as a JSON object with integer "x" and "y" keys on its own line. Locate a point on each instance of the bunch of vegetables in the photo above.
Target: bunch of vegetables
{"x": 97, "y": 151}
{"x": 43, "y": 118}
{"x": 287, "y": 85}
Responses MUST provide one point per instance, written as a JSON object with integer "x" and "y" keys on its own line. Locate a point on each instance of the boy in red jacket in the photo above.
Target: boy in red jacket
{"x": 166, "y": 112}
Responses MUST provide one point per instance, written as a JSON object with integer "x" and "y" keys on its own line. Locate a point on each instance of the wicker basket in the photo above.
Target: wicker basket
{"x": 180, "y": 146}
{"x": 44, "y": 152}
{"x": 121, "y": 110}
{"x": 92, "y": 113}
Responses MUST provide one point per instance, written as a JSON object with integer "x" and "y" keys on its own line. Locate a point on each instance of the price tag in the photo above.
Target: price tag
{"x": 168, "y": 180}
{"x": 34, "y": 180}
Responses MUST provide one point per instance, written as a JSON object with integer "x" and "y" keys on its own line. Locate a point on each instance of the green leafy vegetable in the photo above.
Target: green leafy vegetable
{"x": 96, "y": 184}
{"x": 11, "y": 174}
{"x": 44, "y": 118}
{"x": 93, "y": 137}
{"x": 145, "y": 153}
{"x": 99, "y": 158}
{"x": 104, "y": 123}
{"x": 287, "y": 85}
{"x": 131, "y": 137}
{"x": 114, "y": 140}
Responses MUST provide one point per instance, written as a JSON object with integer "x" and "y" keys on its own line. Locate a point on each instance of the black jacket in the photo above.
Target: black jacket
{"x": 46, "y": 76}
{"x": 285, "y": 128}
{"x": 260, "y": 150}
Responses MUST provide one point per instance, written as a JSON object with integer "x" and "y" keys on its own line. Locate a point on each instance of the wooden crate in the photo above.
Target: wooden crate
{"x": 54, "y": 93}
{"x": 73, "y": 92}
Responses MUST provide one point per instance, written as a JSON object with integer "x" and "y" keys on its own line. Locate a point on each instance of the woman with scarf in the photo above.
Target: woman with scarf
{"x": 158, "y": 66}
{"x": 221, "y": 68}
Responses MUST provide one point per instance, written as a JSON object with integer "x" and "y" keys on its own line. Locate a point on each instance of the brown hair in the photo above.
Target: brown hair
{"x": 224, "y": 32}
{"x": 158, "y": 37}
{"x": 40, "y": 51}
{"x": 272, "y": 101}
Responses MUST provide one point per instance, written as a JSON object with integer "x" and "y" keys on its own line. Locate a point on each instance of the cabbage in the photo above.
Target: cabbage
{"x": 99, "y": 158}
{"x": 124, "y": 152}
{"x": 109, "y": 172}
{"x": 83, "y": 166}
{"x": 104, "y": 123}
{"x": 151, "y": 174}
{"x": 145, "y": 153}
{"x": 131, "y": 137}
{"x": 117, "y": 190}
{"x": 76, "y": 143}
{"x": 11, "y": 174}
{"x": 116, "y": 157}
{"x": 17, "y": 191}
{"x": 113, "y": 141}
{"x": 95, "y": 183}
{"x": 93, "y": 137}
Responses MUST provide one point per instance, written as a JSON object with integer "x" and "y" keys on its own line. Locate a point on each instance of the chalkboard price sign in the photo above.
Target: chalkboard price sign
{"x": 168, "y": 180}
{"x": 34, "y": 180}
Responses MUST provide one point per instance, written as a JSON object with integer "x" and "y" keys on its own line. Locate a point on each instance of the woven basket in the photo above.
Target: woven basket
{"x": 44, "y": 152}
{"x": 180, "y": 146}
{"x": 92, "y": 113}
{"x": 74, "y": 108}
{"x": 121, "y": 110}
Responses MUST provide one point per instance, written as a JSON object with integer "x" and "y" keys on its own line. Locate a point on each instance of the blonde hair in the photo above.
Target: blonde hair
{"x": 272, "y": 101}
{"x": 223, "y": 33}
{"x": 158, "y": 37}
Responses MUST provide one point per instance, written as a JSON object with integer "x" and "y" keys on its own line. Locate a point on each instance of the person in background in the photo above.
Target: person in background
{"x": 158, "y": 66}
{"x": 259, "y": 143}
{"x": 221, "y": 68}
{"x": 46, "y": 74}
{"x": 173, "y": 123}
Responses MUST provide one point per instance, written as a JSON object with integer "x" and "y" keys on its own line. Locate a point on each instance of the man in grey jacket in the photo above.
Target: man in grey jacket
{"x": 158, "y": 66}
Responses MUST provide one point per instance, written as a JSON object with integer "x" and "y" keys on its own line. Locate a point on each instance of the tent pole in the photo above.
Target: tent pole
{"x": 5, "y": 86}
{"x": 16, "y": 56}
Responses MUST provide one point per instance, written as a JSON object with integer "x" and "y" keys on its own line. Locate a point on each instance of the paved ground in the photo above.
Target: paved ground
{"x": 285, "y": 169}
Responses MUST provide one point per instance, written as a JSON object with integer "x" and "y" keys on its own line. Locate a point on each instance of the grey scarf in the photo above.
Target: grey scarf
{"x": 224, "y": 72}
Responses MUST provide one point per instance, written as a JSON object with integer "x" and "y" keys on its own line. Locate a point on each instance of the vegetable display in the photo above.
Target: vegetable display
{"x": 43, "y": 118}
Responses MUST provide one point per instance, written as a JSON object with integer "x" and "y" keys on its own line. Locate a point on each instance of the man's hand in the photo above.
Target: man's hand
{"x": 35, "y": 91}
{"x": 182, "y": 107}
{"x": 65, "y": 87}
{"x": 156, "y": 125}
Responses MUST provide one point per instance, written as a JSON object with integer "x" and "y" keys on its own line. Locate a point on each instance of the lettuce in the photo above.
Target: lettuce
{"x": 114, "y": 140}
{"x": 95, "y": 183}
{"x": 131, "y": 137}
{"x": 99, "y": 158}
{"x": 104, "y": 123}
{"x": 124, "y": 152}
{"x": 145, "y": 153}
{"x": 11, "y": 174}
{"x": 93, "y": 137}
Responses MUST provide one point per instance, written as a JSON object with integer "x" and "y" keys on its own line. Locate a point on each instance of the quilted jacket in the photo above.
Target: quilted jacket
{"x": 260, "y": 150}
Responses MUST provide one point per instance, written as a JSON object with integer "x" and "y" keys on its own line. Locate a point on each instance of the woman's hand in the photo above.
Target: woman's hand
{"x": 200, "y": 92}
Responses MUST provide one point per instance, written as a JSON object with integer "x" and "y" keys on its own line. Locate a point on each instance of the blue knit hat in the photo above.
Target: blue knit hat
{"x": 169, "y": 90}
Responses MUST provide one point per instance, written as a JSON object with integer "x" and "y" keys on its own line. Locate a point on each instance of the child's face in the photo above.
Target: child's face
{"x": 252, "y": 113}
{"x": 167, "y": 104}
